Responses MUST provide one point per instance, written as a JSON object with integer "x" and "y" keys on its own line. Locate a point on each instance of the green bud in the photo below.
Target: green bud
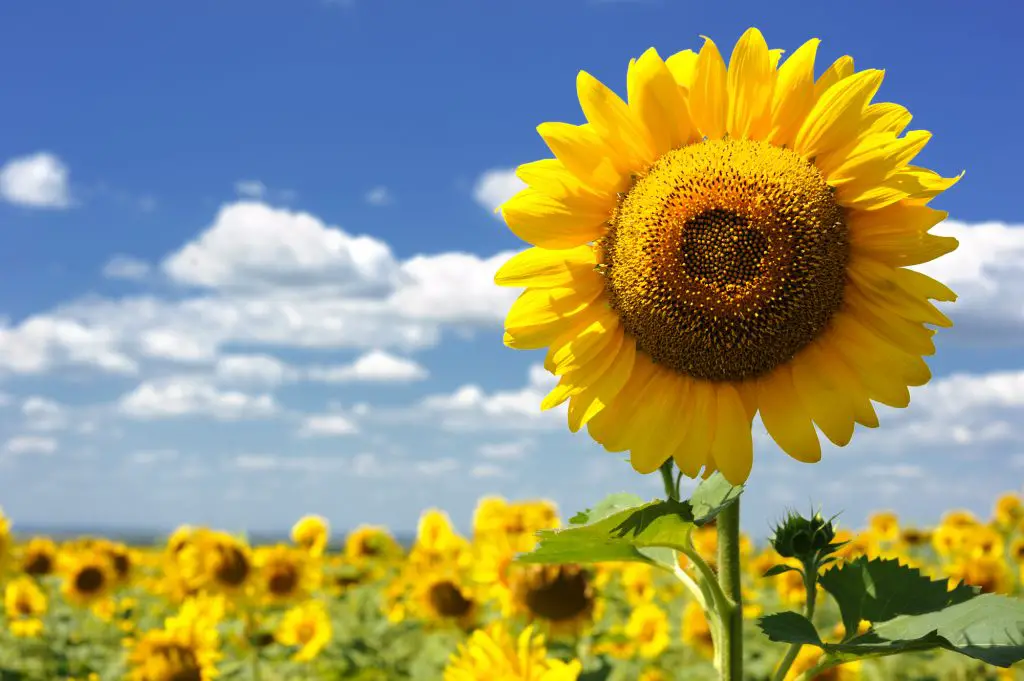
{"x": 803, "y": 538}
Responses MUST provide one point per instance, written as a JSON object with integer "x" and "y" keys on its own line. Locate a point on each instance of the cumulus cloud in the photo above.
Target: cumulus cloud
{"x": 42, "y": 413}
{"x": 253, "y": 189}
{"x": 253, "y": 369}
{"x": 506, "y": 451}
{"x": 327, "y": 425}
{"x": 44, "y": 342}
{"x": 188, "y": 396}
{"x": 30, "y": 444}
{"x": 36, "y": 181}
{"x": 376, "y": 365}
{"x": 495, "y": 187}
{"x": 126, "y": 267}
{"x": 453, "y": 287}
{"x": 471, "y": 408}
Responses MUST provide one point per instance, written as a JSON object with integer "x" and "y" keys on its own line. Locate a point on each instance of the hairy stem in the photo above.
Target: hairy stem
{"x": 730, "y": 648}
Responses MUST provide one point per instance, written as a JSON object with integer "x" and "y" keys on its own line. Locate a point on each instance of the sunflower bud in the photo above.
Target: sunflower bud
{"x": 805, "y": 539}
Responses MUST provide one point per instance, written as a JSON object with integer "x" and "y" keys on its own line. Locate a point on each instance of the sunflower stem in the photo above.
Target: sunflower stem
{"x": 730, "y": 648}
{"x": 669, "y": 480}
{"x": 811, "y": 585}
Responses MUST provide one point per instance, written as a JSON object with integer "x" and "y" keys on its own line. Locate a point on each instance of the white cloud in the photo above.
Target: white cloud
{"x": 37, "y": 181}
{"x": 44, "y": 342}
{"x": 327, "y": 425}
{"x": 147, "y": 457}
{"x": 376, "y": 365}
{"x": 252, "y": 245}
{"x": 253, "y": 369}
{"x": 436, "y": 467}
{"x": 506, "y": 451}
{"x": 253, "y": 189}
{"x": 496, "y": 186}
{"x": 42, "y": 413}
{"x": 379, "y": 196}
{"x": 488, "y": 470}
{"x": 453, "y": 287}
{"x": 30, "y": 444}
{"x": 188, "y": 396}
{"x": 307, "y": 464}
{"x": 126, "y": 267}
{"x": 177, "y": 345}
{"x": 470, "y": 408}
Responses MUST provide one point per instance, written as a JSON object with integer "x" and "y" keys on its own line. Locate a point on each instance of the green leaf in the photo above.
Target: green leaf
{"x": 789, "y": 627}
{"x": 879, "y": 590}
{"x": 610, "y": 504}
{"x": 711, "y": 497}
{"x": 779, "y": 569}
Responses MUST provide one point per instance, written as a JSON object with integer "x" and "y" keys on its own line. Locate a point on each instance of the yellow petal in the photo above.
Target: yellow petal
{"x": 750, "y": 87}
{"x": 683, "y": 66}
{"x": 541, "y": 268}
{"x": 590, "y": 341}
{"x": 584, "y": 155}
{"x": 886, "y": 117}
{"x": 709, "y": 93}
{"x": 697, "y": 429}
{"x": 542, "y": 306}
{"x": 612, "y": 427}
{"x": 882, "y": 385}
{"x": 659, "y": 103}
{"x": 559, "y": 394}
{"x": 898, "y": 218}
{"x": 612, "y": 120}
{"x": 793, "y": 96}
{"x": 910, "y": 183}
{"x": 589, "y": 373}
{"x": 651, "y": 433}
{"x": 823, "y": 397}
{"x": 547, "y": 222}
{"x": 550, "y": 176}
{"x": 871, "y": 162}
{"x": 902, "y": 291}
{"x": 912, "y": 337}
{"x": 902, "y": 249}
{"x": 835, "y": 118}
{"x": 841, "y": 68}
{"x": 775, "y": 56}
{"x": 890, "y": 358}
{"x": 832, "y": 364}
{"x": 587, "y": 323}
{"x": 599, "y": 394}
{"x": 733, "y": 447}
{"x": 784, "y": 417}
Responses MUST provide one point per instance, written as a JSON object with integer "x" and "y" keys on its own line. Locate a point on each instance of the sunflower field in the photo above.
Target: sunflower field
{"x": 207, "y": 604}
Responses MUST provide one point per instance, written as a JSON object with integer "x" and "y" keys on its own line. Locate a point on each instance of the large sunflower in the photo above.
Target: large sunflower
{"x": 732, "y": 240}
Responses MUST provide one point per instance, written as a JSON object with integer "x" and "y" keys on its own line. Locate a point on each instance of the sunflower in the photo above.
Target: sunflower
{"x": 368, "y": 542}
{"x": 444, "y": 596}
{"x": 493, "y": 653}
{"x": 312, "y": 533}
{"x": 885, "y": 526}
{"x": 561, "y": 597}
{"x": 178, "y": 652}
{"x": 5, "y": 538}
{"x": 809, "y": 656}
{"x": 1009, "y": 509}
{"x": 648, "y": 628}
{"x": 89, "y": 576}
{"x": 285, "y": 574}
{"x": 39, "y": 557}
{"x": 226, "y": 563}
{"x": 696, "y": 631}
{"x": 437, "y": 542}
{"x": 733, "y": 240}
{"x": 25, "y": 604}
{"x": 120, "y": 559}
{"x": 307, "y": 627}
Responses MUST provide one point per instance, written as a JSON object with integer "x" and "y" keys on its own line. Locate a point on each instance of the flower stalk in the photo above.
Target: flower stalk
{"x": 729, "y": 651}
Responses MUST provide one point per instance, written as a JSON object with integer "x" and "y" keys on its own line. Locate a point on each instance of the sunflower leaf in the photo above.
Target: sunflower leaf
{"x": 789, "y": 627}
{"x": 711, "y": 497}
{"x": 779, "y": 569}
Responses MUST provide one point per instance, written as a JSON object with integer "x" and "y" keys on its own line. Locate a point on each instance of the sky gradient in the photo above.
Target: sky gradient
{"x": 249, "y": 249}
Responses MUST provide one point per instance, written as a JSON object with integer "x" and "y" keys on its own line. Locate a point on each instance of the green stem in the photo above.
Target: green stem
{"x": 730, "y": 648}
{"x": 666, "y": 477}
{"x": 811, "y": 586}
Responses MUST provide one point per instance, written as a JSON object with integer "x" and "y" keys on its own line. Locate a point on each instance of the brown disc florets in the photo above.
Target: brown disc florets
{"x": 726, "y": 258}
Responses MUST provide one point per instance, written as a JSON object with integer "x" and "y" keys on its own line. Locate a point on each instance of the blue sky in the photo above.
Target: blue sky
{"x": 248, "y": 250}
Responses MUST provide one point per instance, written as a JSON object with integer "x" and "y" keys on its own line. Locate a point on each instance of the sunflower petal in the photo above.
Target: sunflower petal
{"x": 823, "y": 397}
{"x": 872, "y": 163}
{"x": 897, "y": 218}
{"x": 835, "y": 118}
{"x": 886, "y": 117}
{"x": 584, "y": 155}
{"x": 749, "y": 87}
{"x": 698, "y": 431}
{"x": 784, "y": 417}
{"x": 709, "y": 93}
{"x": 683, "y": 66}
{"x": 599, "y": 394}
{"x": 613, "y": 427}
{"x": 543, "y": 306}
{"x": 550, "y": 176}
{"x": 793, "y": 96}
{"x": 612, "y": 120}
{"x": 839, "y": 69}
{"x": 547, "y": 222}
{"x": 659, "y": 103}
{"x": 592, "y": 340}
{"x": 733, "y": 446}
{"x": 538, "y": 267}
{"x": 663, "y": 398}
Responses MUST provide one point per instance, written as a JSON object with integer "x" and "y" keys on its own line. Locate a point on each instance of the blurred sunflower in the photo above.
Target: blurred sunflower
{"x": 25, "y": 604}
{"x": 493, "y": 653}
{"x": 175, "y": 653}
{"x": 312, "y": 533}
{"x": 285, "y": 574}
{"x": 370, "y": 542}
{"x": 306, "y": 626}
{"x": 39, "y": 557}
{"x": 443, "y": 596}
{"x": 227, "y": 563}
{"x": 885, "y": 525}
{"x": 562, "y": 598}
{"x": 647, "y": 627}
{"x": 731, "y": 241}
{"x": 5, "y": 539}
{"x": 88, "y": 575}
{"x": 696, "y": 631}
{"x": 437, "y": 542}
{"x": 1009, "y": 509}
{"x": 809, "y": 656}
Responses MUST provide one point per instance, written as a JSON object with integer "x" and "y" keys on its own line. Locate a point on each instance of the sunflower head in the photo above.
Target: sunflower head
{"x": 307, "y": 627}
{"x": 371, "y": 542}
{"x": 39, "y": 557}
{"x": 175, "y": 653}
{"x": 493, "y": 653}
{"x": 695, "y": 631}
{"x": 312, "y": 532}
{"x": 25, "y": 604}
{"x": 560, "y": 597}
{"x": 88, "y": 576}
{"x": 443, "y": 596}
{"x": 648, "y": 628}
{"x": 732, "y": 240}
{"x": 285, "y": 574}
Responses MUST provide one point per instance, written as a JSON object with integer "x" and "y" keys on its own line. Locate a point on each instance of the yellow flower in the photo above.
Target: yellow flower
{"x": 173, "y": 653}
{"x": 437, "y": 542}
{"x": 24, "y": 603}
{"x": 89, "y": 576}
{"x": 696, "y": 631}
{"x": 884, "y": 525}
{"x": 39, "y": 557}
{"x": 492, "y": 653}
{"x": 284, "y": 574}
{"x": 443, "y": 596}
{"x": 1009, "y": 509}
{"x": 732, "y": 240}
{"x": 913, "y": 537}
{"x": 370, "y": 541}
{"x": 559, "y": 597}
{"x": 991, "y": 574}
{"x": 306, "y": 626}
{"x": 638, "y": 582}
{"x": 647, "y": 627}
{"x": 809, "y": 656}
{"x": 5, "y": 538}
{"x": 226, "y": 563}
{"x": 312, "y": 533}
